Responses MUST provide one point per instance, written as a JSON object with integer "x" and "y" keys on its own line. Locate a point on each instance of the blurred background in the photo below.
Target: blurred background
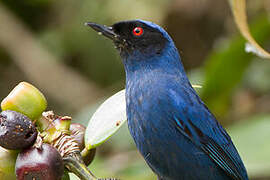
{"x": 44, "y": 42}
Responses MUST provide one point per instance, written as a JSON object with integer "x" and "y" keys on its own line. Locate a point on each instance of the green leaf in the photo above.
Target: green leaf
{"x": 73, "y": 177}
{"x": 107, "y": 119}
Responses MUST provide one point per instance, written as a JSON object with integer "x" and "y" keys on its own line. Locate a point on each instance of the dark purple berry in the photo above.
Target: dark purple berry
{"x": 44, "y": 163}
{"x": 77, "y": 132}
{"x": 16, "y": 130}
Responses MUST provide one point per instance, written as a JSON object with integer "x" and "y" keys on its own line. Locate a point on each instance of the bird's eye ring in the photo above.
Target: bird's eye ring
{"x": 137, "y": 31}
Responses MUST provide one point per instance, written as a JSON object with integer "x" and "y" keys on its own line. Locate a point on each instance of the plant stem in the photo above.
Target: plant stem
{"x": 85, "y": 152}
{"x": 75, "y": 164}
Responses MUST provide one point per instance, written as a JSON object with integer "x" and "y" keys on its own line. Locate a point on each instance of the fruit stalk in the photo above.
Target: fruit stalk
{"x": 75, "y": 164}
{"x": 73, "y": 161}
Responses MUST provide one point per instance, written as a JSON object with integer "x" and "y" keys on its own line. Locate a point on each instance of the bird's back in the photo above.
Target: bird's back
{"x": 170, "y": 124}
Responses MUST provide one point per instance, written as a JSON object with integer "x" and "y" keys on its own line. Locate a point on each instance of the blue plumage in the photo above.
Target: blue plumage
{"x": 175, "y": 132}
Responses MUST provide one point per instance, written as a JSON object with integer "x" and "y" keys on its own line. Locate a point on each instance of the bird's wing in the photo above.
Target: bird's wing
{"x": 196, "y": 122}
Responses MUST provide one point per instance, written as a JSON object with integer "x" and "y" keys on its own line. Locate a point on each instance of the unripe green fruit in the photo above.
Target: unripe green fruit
{"x": 65, "y": 176}
{"x": 7, "y": 164}
{"x": 26, "y": 99}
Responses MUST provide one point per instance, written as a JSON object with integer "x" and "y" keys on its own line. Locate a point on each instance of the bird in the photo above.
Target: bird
{"x": 175, "y": 132}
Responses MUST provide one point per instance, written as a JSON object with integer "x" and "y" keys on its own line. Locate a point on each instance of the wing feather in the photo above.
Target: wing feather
{"x": 216, "y": 152}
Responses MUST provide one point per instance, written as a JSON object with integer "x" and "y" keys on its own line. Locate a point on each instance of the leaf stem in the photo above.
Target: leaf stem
{"x": 85, "y": 152}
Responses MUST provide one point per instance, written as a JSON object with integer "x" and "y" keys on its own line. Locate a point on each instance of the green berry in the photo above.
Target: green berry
{"x": 26, "y": 99}
{"x": 7, "y": 164}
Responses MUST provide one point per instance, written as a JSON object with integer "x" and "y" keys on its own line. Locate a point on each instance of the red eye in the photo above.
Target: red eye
{"x": 138, "y": 31}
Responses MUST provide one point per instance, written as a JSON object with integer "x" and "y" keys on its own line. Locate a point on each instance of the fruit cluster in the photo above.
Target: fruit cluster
{"x": 34, "y": 143}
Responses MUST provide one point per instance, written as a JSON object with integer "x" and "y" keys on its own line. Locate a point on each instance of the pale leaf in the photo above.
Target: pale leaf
{"x": 108, "y": 118}
{"x": 239, "y": 11}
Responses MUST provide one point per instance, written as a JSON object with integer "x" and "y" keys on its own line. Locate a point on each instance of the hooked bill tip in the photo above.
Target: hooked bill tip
{"x": 88, "y": 24}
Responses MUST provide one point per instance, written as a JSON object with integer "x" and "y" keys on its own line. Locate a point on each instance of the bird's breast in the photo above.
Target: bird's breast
{"x": 146, "y": 102}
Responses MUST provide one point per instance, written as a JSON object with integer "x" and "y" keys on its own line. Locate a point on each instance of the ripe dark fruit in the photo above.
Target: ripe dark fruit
{"x": 44, "y": 163}
{"x": 77, "y": 132}
{"x": 16, "y": 130}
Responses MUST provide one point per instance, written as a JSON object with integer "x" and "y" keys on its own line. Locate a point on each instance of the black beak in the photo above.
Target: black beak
{"x": 104, "y": 30}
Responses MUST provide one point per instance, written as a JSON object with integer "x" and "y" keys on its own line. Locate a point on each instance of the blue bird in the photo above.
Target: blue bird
{"x": 174, "y": 131}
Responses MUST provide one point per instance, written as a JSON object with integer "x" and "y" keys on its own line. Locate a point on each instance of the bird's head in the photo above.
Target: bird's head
{"x": 135, "y": 36}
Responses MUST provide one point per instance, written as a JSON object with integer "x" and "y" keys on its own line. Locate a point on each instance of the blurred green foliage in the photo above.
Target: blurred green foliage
{"x": 225, "y": 67}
